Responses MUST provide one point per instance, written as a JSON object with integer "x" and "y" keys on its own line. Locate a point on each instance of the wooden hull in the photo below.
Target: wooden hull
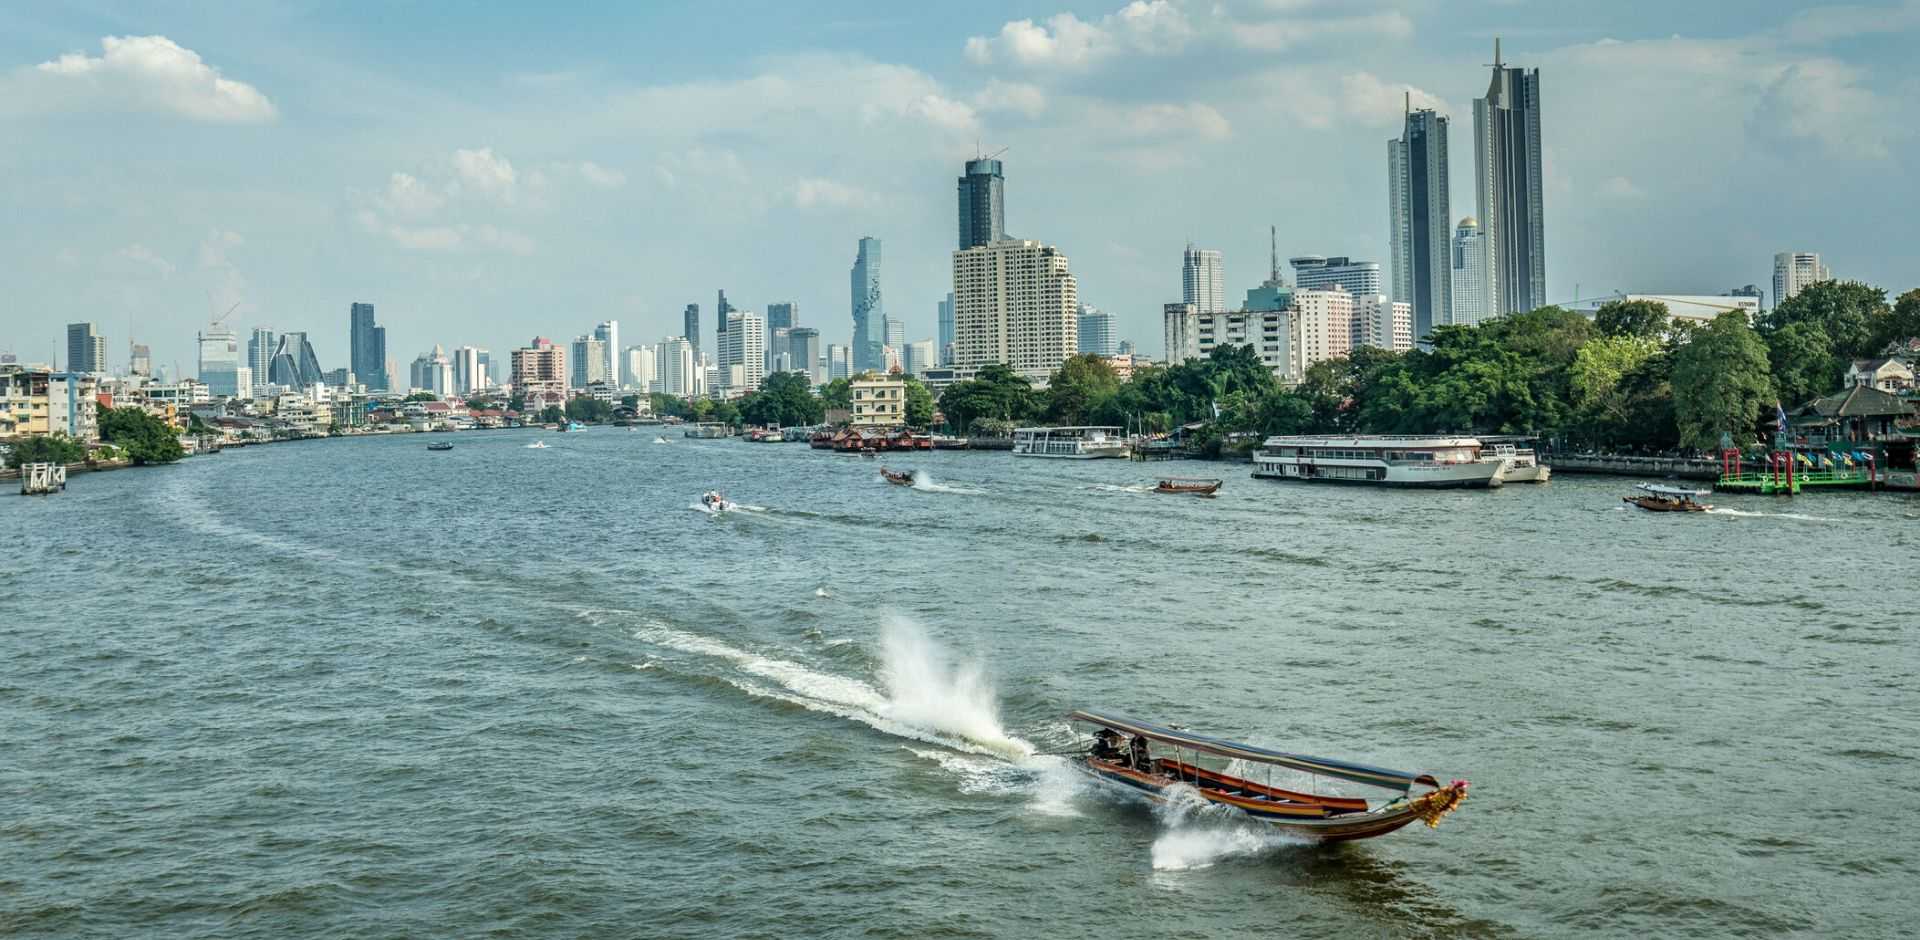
{"x": 1310, "y": 817}
{"x": 897, "y": 479}
{"x": 1656, "y": 504}
{"x": 1207, "y": 489}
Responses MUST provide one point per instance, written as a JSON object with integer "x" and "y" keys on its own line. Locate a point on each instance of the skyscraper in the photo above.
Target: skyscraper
{"x": 917, "y": 357}
{"x": 1506, "y": 150}
{"x": 720, "y": 310}
{"x": 368, "y": 345}
{"x": 1419, "y": 216}
{"x": 468, "y": 375}
{"x": 260, "y": 347}
{"x": 782, "y": 316}
{"x": 1793, "y": 272}
{"x": 1201, "y": 279}
{"x": 608, "y": 333}
{"x": 803, "y": 353}
{"x": 1014, "y": 303}
{"x": 294, "y": 364}
{"x": 1273, "y": 293}
{"x": 896, "y": 332}
{"x": 677, "y": 361}
{"x": 1318, "y": 272}
{"x": 433, "y": 372}
{"x": 839, "y": 362}
{"x": 540, "y": 373}
{"x": 86, "y": 348}
{"x": 869, "y": 308}
{"x": 743, "y": 350}
{"x": 982, "y": 203}
{"x": 1096, "y": 332}
{"x": 220, "y": 367}
{"x": 643, "y": 367}
{"x": 1469, "y": 275}
{"x": 589, "y": 359}
{"x": 690, "y": 322}
{"x": 944, "y": 341}
{"x": 141, "y": 362}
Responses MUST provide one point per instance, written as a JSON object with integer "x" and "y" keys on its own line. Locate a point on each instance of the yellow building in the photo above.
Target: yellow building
{"x": 879, "y": 401}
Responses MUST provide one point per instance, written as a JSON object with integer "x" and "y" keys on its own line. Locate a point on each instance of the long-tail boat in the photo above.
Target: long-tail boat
{"x": 898, "y": 477}
{"x": 1188, "y": 486}
{"x": 1663, "y": 498}
{"x": 1319, "y": 817}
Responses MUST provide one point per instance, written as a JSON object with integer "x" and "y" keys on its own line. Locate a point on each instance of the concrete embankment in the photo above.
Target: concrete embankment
{"x": 1681, "y": 468}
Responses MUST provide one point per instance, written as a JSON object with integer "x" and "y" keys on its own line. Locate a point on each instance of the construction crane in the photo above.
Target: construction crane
{"x": 211, "y": 306}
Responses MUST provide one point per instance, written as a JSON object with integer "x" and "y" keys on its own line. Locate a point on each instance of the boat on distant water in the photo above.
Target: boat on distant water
{"x": 537, "y": 445}
{"x": 709, "y": 430}
{"x": 1522, "y": 464}
{"x": 1659, "y": 497}
{"x": 1380, "y": 460}
{"x": 443, "y": 445}
{"x": 1070, "y": 443}
{"x": 898, "y": 477}
{"x": 1314, "y": 816}
{"x": 1188, "y": 486}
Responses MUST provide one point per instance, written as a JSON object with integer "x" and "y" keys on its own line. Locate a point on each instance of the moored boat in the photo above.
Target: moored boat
{"x": 1522, "y": 463}
{"x": 1380, "y": 460}
{"x": 897, "y": 477}
{"x": 442, "y": 445}
{"x": 1188, "y": 486}
{"x": 1659, "y": 497}
{"x": 1315, "y": 816}
{"x": 1070, "y": 443}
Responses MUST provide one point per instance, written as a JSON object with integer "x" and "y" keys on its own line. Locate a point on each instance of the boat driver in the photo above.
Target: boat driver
{"x": 1142, "y": 761}
{"x": 1106, "y": 745}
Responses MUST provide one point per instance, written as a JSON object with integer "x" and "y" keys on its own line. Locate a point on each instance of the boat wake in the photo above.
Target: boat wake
{"x": 657, "y": 439}
{"x": 1743, "y": 514}
{"x": 925, "y": 483}
{"x": 1116, "y": 488}
{"x": 926, "y": 697}
{"x": 1199, "y": 834}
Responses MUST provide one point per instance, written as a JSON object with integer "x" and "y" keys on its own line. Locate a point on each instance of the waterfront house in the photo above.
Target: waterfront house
{"x": 1885, "y": 373}
{"x": 1860, "y": 414}
{"x": 879, "y": 401}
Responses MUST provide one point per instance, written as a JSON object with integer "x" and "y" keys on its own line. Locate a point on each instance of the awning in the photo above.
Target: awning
{"x": 1358, "y": 773}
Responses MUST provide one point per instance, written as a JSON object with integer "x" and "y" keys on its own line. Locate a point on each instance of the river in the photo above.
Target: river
{"x": 354, "y": 688}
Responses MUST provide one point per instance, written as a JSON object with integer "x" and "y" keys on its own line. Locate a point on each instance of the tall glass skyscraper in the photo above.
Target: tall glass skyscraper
{"x": 982, "y": 204}
{"x": 782, "y": 316}
{"x": 1506, "y": 150}
{"x": 220, "y": 366}
{"x": 260, "y": 347}
{"x": 868, "y": 308}
{"x": 720, "y": 309}
{"x": 368, "y": 349}
{"x": 86, "y": 348}
{"x": 1419, "y": 215}
{"x": 945, "y": 322}
{"x": 690, "y": 329}
{"x": 294, "y": 364}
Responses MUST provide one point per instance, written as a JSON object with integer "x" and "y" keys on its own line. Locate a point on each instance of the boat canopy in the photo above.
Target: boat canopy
{"x": 1663, "y": 489}
{"x": 1358, "y": 773}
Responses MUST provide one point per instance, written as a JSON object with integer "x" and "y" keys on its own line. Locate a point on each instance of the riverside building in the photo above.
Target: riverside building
{"x": 1015, "y": 302}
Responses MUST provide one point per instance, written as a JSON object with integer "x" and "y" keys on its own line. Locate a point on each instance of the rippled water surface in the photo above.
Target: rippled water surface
{"x": 353, "y": 688}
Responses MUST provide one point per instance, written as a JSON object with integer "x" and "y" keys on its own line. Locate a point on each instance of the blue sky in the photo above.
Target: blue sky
{"x": 485, "y": 173}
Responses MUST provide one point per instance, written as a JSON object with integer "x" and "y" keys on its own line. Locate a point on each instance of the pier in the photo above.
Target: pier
{"x": 39, "y": 479}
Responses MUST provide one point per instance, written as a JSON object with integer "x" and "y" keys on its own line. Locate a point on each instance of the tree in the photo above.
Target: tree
{"x": 46, "y": 448}
{"x": 145, "y": 438}
{"x": 1852, "y": 315}
{"x": 630, "y": 401}
{"x": 1078, "y": 387}
{"x": 669, "y": 405}
{"x": 517, "y": 403}
{"x": 919, "y": 404}
{"x": 1903, "y": 324}
{"x": 589, "y": 410}
{"x": 838, "y": 394}
{"x": 1803, "y": 361}
{"x": 785, "y": 399}
{"x": 1644, "y": 318}
{"x": 421, "y": 396}
{"x": 996, "y": 391}
{"x": 552, "y": 415}
{"x": 1720, "y": 382}
{"x": 1598, "y": 369}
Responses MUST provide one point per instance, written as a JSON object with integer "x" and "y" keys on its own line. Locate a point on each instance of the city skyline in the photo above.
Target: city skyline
{"x": 464, "y": 230}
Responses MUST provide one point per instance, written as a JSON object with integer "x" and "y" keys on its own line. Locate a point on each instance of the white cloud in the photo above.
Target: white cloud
{"x": 135, "y": 73}
{"x": 1193, "y": 120}
{"x": 1375, "y": 103}
{"x": 1822, "y": 101}
{"x": 815, "y": 193}
{"x": 450, "y": 238}
{"x": 1621, "y": 189}
{"x": 484, "y": 172}
{"x": 601, "y": 176}
{"x": 1017, "y": 97}
{"x": 1280, "y": 34}
{"x": 229, "y": 285}
{"x": 141, "y": 258}
{"x": 406, "y": 195}
{"x": 1064, "y": 41}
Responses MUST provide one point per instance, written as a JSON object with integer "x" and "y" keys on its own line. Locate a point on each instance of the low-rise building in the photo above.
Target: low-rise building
{"x": 1860, "y": 414}
{"x": 1696, "y": 308}
{"x": 1194, "y": 334}
{"x": 879, "y": 401}
{"x": 1885, "y": 374}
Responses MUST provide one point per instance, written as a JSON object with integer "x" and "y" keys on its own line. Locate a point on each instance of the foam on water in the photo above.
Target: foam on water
{"x": 1199, "y": 834}
{"x": 939, "y": 711}
{"x": 1116, "y": 488}
{"x": 1743, "y": 514}
{"x": 925, "y": 483}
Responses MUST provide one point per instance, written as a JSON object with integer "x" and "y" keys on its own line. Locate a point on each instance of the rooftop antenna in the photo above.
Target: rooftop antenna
{"x": 1409, "y": 94}
{"x": 1496, "y": 52}
{"x": 1273, "y": 245}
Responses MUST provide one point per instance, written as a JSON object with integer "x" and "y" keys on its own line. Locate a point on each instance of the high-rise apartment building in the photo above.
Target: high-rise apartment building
{"x": 917, "y": 357}
{"x": 1419, "y": 217}
{"x": 1382, "y": 322}
{"x": 1191, "y": 334}
{"x": 678, "y": 365}
{"x": 540, "y": 372}
{"x": 260, "y": 349}
{"x": 1015, "y": 302}
{"x": 220, "y": 367}
{"x": 1795, "y": 271}
{"x": 944, "y": 337}
{"x": 869, "y": 308}
{"x": 86, "y": 349}
{"x": 642, "y": 365}
{"x": 367, "y": 343}
{"x": 589, "y": 359}
{"x": 1506, "y": 150}
{"x": 803, "y": 353}
{"x": 1322, "y": 327}
{"x": 608, "y": 333}
{"x": 982, "y": 204}
{"x": 690, "y": 326}
{"x": 743, "y": 351}
{"x": 1096, "y": 332}
{"x": 1318, "y": 272}
{"x": 1202, "y": 280}
{"x": 1470, "y": 289}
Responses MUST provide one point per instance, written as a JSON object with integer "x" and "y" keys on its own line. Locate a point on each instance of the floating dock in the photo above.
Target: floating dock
{"x": 38, "y": 479}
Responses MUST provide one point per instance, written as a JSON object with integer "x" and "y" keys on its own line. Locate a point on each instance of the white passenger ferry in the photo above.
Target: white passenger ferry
{"x": 1075, "y": 443}
{"x": 1386, "y": 460}
{"x": 1523, "y": 465}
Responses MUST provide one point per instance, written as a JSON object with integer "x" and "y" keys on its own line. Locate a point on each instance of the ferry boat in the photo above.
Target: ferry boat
{"x": 1070, "y": 443}
{"x": 1381, "y": 460}
{"x": 1523, "y": 465}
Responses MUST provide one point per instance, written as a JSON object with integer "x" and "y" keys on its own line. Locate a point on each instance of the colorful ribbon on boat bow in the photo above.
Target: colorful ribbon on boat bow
{"x": 1433, "y": 807}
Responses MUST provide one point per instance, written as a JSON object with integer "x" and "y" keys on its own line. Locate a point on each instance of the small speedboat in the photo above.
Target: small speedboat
{"x": 1154, "y": 760}
{"x": 537, "y": 445}
{"x": 657, "y": 439}
{"x": 713, "y": 501}
{"x": 897, "y": 477}
{"x": 1659, "y": 497}
{"x": 443, "y": 445}
{"x": 1189, "y": 487}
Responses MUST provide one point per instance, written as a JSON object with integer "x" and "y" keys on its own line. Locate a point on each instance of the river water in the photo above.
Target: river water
{"x": 353, "y": 688}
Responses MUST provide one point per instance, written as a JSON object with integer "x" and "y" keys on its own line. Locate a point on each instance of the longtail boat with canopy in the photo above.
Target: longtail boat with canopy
{"x": 1122, "y": 753}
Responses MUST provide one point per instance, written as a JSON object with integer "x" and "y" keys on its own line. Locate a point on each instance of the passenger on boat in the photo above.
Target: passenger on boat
{"x": 1106, "y": 745}
{"x": 1142, "y": 761}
